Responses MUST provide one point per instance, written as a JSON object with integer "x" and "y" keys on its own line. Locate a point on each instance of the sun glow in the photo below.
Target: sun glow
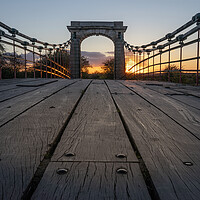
{"x": 129, "y": 64}
{"x": 95, "y": 69}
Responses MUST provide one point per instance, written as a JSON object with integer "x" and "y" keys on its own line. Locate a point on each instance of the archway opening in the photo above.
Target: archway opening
{"x": 97, "y": 58}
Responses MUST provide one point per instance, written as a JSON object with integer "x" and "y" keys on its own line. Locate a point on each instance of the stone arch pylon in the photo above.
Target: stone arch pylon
{"x": 81, "y": 30}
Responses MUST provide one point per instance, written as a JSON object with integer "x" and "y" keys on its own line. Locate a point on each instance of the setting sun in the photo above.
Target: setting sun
{"x": 129, "y": 64}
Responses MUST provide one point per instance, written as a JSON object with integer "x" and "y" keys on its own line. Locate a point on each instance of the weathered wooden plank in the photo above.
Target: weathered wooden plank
{"x": 95, "y": 132}
{"x": 183, "y": 96}
{"x": 90, "y": 180}
{"x": 185, "y": 115}
{"x": 14, "y": 107}
{"x": 36, "y": 83}
{"x": 4, "y": 82}
{"x": 15, "y": 92}
{"x": 191, "y": 90}
{"x": 23, "y": 88}
{"x": 7, "y": 84}
{"x": 184, "y": 89}
{"x": 164, "y": 146}
{"x": 25, "y": 140}
{"x": 162, "y": 89}
{"x": 191, "y": 101}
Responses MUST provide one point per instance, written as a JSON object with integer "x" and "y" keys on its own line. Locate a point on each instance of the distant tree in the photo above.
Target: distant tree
{"x": 8, "y": 65}
{"x": 173, "y": 69}
{"x": 108, "y": 68}
{"x": 60, "y": 57}
{"x": 2, "y": 60}
{"x": 174, "y": 73}
{"x": 85, "y": 65}
{"x": 63, "y": 58}
{"x": 11, "y": 61}
{"x": 2, "y": 49}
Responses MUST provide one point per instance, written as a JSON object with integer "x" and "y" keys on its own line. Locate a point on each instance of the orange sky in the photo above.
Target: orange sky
{"x": 94, "y": 69}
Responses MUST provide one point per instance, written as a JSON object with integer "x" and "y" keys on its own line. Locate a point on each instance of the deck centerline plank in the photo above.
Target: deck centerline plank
{"x": 92, "y": 181}
{"x": 95, "y": 131}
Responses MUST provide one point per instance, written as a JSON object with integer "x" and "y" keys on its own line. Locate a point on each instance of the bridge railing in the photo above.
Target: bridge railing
{"x": 35, "y": 59}
{"x": 174, "y": 57}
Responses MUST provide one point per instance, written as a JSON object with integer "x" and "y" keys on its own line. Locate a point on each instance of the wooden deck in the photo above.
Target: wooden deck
{"x": 95, "y": 139}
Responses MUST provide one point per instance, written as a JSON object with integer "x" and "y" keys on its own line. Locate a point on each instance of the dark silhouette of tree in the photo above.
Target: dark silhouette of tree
{"x": 186, "y": 78}
{"x": 108, "y": 68}
{"x": 173, "y": 69}
{"x": 8, "y": 63}
{"x": 2, "y": 49}
{"x": 85, "y": 65}
{"x": 2, "y": 60}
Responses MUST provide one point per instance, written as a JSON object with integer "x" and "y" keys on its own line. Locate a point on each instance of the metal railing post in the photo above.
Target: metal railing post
{"x": 160, "y": 47}
{"x": 148, "y": 53}
{"x": 54, "y": 58}
{"x": 33, "y": 62}
{"x": 50, "y": 63}
{"x": 139, "y": 64}
{"x": 169, "y": 60}
{"x": 1, "y": 64}
{"x": 143, "y": 67}
{"x": 40, "y": 50}
{"x": 153, "y": 62}
{"x": 181, "y": 56}
{"x": 197, "y": 74}
{"x": 160, "y": 63}
{"x": 136, "y": 65}
{"x": 14, "y": 61}
{"x": 46, "y": 62}
{"x": 25, "y": 62}
{"x": 57, "y": 59}
{"x": 40, "y": 63}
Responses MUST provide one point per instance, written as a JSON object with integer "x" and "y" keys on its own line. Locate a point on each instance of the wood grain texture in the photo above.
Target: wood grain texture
{"x": 90, "y": 180}
{"x": 15, "y": 92}
{"x": 185, "y": 115}
{"x": 37, "y": 83}
{"x": 164, "y": 147}
{"x": 95, "y": 132}
{"x": 172, "y": 92}
{"x": 191, "y": 90}
{"x": 13, "y": 107}
{"x": 191, "y": 101}
{"x": 25, "y": 140}
{"x": 23, "y": 88}
{"x": 179, "y": 88}
{"x": 9, "y": 84}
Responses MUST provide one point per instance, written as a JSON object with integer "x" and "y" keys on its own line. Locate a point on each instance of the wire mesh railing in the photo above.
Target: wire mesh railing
{"x": 36, "y": 59}
{"x": 174, "y": 57}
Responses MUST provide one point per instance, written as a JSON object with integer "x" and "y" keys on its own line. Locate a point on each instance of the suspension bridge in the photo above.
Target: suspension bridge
{"x": 135, "y": 137}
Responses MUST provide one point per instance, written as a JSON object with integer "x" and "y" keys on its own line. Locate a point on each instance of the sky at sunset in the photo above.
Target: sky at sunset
{"x": 147, "y": 20}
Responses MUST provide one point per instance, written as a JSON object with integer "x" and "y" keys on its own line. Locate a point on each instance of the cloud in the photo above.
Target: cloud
{"x": 110, "y": 52}
{"x": 95, "y": 58}
{"x": 29, "y": 56}
{"x": 93, "y": 55}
